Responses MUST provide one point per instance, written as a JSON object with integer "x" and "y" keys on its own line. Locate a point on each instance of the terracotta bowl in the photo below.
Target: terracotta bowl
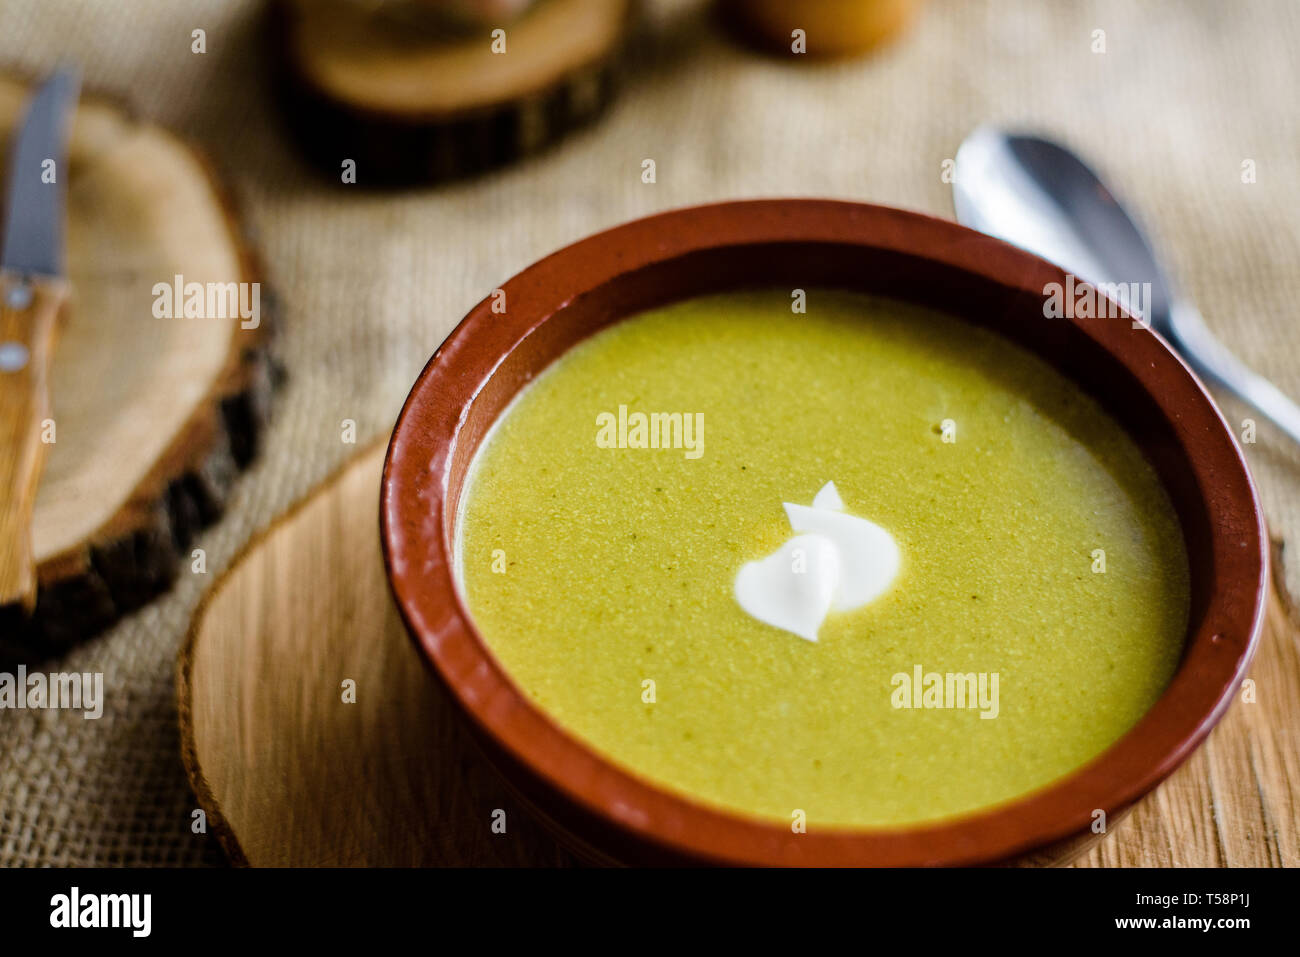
{"x": 614, "y": 815}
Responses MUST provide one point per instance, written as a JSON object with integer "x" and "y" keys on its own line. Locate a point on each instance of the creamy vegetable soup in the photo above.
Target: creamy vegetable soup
{"x": 868, "y": 564}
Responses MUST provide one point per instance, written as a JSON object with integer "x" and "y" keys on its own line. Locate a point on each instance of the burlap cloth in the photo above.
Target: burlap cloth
{"x": 371, "y": 283}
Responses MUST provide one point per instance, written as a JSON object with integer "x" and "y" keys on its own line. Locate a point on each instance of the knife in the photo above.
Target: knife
{"x": 33, "y": 294}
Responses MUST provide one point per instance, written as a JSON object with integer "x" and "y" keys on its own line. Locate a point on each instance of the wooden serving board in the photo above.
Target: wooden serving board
{"x": 154, "y": 417}
{"x": 290, "y": 773}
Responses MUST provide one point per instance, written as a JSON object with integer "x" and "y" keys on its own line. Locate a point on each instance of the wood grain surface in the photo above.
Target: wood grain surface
{"x": 155, "y": 416}
{"x": 290, "y": 773}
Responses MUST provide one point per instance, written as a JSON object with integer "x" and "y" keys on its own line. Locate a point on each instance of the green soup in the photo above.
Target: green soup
{"x": 1039, "y": 609}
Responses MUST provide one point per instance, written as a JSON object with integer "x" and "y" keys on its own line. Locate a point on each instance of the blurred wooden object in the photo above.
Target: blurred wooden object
{"x": 489, "y": 12}
{"x": 831, "y": 28}
{"x": 291, "y": 773}
{"x": 153, "y": 417}
{"x": 410, "y": 100}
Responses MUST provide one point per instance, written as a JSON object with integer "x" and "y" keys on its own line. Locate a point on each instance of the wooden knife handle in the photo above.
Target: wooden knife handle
{"x": 29, "y": 319}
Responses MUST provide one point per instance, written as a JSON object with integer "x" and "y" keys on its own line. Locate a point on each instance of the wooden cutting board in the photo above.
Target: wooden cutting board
{"x": 153, "y": 417}
{"x": 290, "y": 773}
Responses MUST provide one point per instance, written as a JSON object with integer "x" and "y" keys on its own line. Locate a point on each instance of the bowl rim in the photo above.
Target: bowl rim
{"x": 419, "y": 560}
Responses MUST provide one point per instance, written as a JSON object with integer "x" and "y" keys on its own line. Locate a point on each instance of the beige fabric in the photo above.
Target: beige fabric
{"x": 371, "y": 282}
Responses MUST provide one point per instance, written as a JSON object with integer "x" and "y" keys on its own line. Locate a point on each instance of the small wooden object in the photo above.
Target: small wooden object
{"x": 826, "y": 28}
{"x": 291, "y": 774}
{"x": 152, "y": 416}
{"x": 410, "y": 98}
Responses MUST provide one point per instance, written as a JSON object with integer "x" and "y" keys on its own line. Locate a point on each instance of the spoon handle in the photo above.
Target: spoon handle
{"x": 1216, "y": 364}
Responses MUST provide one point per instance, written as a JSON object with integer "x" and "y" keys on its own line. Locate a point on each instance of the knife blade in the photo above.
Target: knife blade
{"x": 33, "y": 295}
{"x": 33, "y": 227}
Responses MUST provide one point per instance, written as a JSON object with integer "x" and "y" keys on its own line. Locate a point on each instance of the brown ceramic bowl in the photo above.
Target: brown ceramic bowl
{"x": 615, "y": 815}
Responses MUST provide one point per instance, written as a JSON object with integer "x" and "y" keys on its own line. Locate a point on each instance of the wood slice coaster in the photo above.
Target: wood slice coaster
{"x": 412, "y": 103}
{"x": 291, "y": 774}
{"x": 154, "y": 417}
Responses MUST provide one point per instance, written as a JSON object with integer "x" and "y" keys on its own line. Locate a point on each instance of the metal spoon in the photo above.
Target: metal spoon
{"x": 1038, "y": 195}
